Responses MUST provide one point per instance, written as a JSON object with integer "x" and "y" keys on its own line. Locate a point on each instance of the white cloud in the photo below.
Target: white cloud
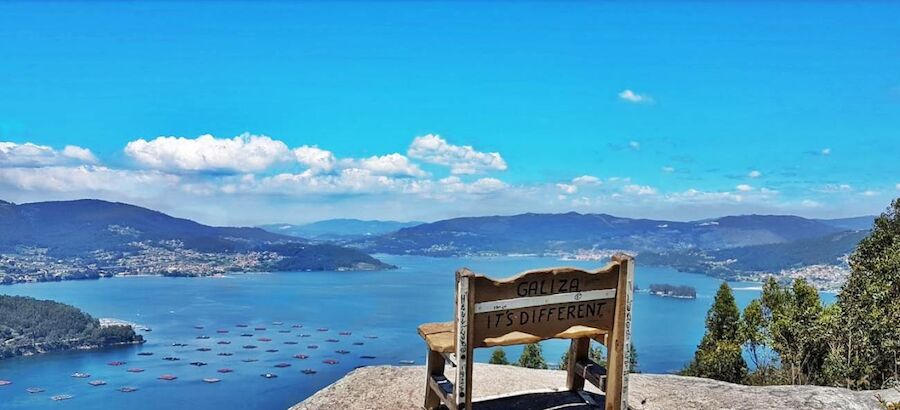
{"x": 33, "y": 155}
{"x": 834, "y": 188}
{"x": 86, "y": 179}
{"x": 668, "y": 169}
{"x": 635, "y": 145}
{"x": 754, "y": 174}
{"x": 695, "y": 196}
{"x": 640, "y": 190}
{"x": 634, "y": 97}
{"x": 244, "y": 153}
{"x": 897, "y": 186}
{"x": 567, "y": 188}
{"x": 462, "y": 159}
{"x": 391, "y": 164}
{"x": 455, "y": 185}
{"x": 316, "y": 159}
{"x": 826, "y": 151}
{"x": 744, "y": 188}
{"x": 870, "y": 193}
{"x": 586, "y": 180}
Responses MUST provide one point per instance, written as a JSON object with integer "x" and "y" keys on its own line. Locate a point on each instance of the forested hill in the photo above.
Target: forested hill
{"x": 74, "y": 227}
{"x": 555, "y": 233}
{"x": 83, "y": 239}
{"x": 29, "y": 326}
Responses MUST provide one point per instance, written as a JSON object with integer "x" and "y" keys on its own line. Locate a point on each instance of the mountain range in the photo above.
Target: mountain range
{"x": 90, "y": 238}
{"x": 117, "y": 234}
{"x": 549, "y": 233}
{"x": 338, "y": 229}
{"x": 726, "y": 246}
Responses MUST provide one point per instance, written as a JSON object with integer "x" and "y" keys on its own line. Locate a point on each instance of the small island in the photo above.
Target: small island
{"x": 673, "y": 291}
{"x": 30, "y": 326}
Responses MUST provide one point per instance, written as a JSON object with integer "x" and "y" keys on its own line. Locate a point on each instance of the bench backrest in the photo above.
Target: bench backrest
{"x": 541, "y": 304}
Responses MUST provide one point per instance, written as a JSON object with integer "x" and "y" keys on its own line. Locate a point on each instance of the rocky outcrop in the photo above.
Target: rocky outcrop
{"x": 401, "y": 388}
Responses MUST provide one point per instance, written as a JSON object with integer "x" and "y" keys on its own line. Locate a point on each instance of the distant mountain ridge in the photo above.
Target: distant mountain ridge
{"x": 339, "y": 229}
{"x": 550, "y": 233}
{"x": 73, "y": 227}
{"x": 91, "y": 238}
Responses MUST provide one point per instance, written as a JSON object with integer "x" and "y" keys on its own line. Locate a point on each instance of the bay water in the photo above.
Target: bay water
{"x": 370, "y": 317}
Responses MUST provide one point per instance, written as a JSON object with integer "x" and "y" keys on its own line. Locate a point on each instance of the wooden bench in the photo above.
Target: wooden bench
{"x": 557, "y": 303}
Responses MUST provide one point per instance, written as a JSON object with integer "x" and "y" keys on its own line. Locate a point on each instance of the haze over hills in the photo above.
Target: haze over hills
{"x": 339, "y": 229}
{"x": 91, "y": 238}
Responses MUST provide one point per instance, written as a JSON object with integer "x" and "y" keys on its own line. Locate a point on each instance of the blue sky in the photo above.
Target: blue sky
{"x": 679, "y": 111}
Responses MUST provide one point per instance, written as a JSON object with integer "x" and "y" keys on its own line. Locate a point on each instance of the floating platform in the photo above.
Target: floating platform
{"x": 225, "y": 354}
{"x": 167, "y": 377}
{"x": 96, "y": 383}
{"x": 145, "y": 354}
{"x": 34, "y": 390}
{"x": 282, "y": 365}
{"x": 116, "y": 363}
{"x": 60, "y": 397}
{"x": 80, "y": 375}
{"x": 135, "y": 370}
{"x": 308, "y": 371}
{"x": 211, "y": 380}
{"x": 128, "y": 389}
{"x": 269, "y": 375}
{"x": 330, "y": 361}
{"x": 301, "y": 356}
{"x": 225, "y": 370}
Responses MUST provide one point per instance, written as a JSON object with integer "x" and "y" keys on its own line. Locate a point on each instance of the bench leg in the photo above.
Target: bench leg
{"x": 579, "y": 349}
{"x": 434, "y": 366}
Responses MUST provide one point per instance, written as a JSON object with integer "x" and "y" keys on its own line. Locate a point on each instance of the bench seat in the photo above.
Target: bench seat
{"x": 440, "y": 336}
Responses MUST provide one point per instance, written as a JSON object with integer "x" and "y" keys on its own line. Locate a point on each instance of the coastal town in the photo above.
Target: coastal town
{"x": 167, "y": 258}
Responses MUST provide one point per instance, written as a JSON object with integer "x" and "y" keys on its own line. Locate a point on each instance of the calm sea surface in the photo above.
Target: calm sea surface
{"x": 387, "y": 305}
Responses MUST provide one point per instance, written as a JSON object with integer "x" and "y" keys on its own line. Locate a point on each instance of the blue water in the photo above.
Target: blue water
{"x": 387, "y": 304}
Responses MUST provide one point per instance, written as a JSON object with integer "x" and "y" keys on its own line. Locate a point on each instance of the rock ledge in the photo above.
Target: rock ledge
{"x": 401, "y": 388}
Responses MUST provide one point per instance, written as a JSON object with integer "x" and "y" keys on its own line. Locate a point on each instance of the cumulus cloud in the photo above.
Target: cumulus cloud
{"x": 391, "y": 164}
{"x": 826, "y": 151}
{"x": 33, "y": 155}
{"x": 86, "y": 179}
{"x": 315, "y": 158}
{"x": 870, "y": 193}
{"x": 754, "y": 174}
{"x": 319, "y": 161}
{"x": 244, "y": 153}
{"x": 586, "y": 180}
{"x": 633, "y": 97}
{"x": 744, "y": 188}
{"x": 639, "y": 190}
{"x": 461, "y": 159}
{"x": 668, "y": 169}
{"x": 635, "y": 145}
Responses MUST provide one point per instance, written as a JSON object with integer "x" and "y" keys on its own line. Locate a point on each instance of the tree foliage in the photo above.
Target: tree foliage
{"x": 532, "y": 357}
{"x": 498, "y": 356}
{"x": 719, "y": 354}
{"x": 29, "y": 325}
{"x": 866, "y": 349}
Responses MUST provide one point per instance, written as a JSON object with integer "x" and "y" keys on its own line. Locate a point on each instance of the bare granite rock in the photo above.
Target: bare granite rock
{"x": 401, "y": 388}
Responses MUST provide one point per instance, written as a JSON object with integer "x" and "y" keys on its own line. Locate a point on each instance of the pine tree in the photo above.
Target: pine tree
{"x": 719, "y": 354}
{"x": 498, "y": 356}
{"x": 532, "y": 358}
{"x": 867, "y": 350}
